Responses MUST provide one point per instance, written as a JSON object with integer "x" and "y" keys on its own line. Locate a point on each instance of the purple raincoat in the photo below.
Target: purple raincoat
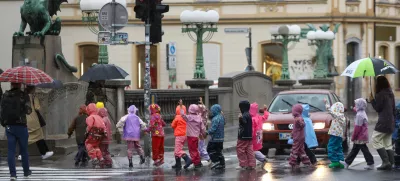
{"x": 132, "y": 125}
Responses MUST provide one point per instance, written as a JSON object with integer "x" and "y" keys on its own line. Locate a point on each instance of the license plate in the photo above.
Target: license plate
{"x": 284, "y": 136}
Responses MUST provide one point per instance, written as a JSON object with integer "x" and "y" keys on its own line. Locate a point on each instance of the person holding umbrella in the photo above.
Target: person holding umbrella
{"x": 384, "y": 104}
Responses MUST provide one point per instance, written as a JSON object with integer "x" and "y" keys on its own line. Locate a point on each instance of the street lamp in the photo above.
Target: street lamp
{"x": 90, "y": 12}
{"x": 285, "y": 34}
{"x": 322, "y": 39}
{"x": 199, "y": 22}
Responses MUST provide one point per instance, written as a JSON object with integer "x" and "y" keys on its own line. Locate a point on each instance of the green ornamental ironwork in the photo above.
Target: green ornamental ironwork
{"x": 325, "y": 58}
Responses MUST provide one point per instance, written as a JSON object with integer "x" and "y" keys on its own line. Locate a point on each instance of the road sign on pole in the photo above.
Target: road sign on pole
{"x": 236, "y": 30}
{"x": 104, "y": 38}
{"x": 113, "y": 16}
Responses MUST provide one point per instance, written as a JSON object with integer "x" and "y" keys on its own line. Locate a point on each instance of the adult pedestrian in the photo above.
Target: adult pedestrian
{"x": 35, "y": 127}
{"x": 14, "y": 108}
{"x": 384, "y": 104}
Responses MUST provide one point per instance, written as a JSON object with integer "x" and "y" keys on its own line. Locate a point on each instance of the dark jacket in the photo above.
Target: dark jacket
{"x": 384, "y": 104}
{"x": 25, "y": 108}
{"x": 79, "y": 126}
{"x": 245, "y": 122}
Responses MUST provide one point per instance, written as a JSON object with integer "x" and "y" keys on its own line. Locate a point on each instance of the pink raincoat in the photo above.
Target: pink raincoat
{"x": 103, "y": 113}
{"x": 257, "y": 121}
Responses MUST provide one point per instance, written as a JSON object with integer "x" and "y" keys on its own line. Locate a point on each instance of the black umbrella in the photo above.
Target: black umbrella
{"x": 103, "y": 72}
{"x": 56, "y": 84}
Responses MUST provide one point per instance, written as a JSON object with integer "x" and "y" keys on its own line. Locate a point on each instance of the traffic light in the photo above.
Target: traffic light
{"x": 141, "y": 9}
{"x": 156, "y": 15}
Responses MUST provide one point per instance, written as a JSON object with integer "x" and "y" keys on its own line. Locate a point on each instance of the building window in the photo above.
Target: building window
{"x": 89, "y": 55}
{"x": 272, "y": 60}
{"x": 212, "y": 60}
{"x": 141, "y": 64}
{"x": 383, "y": 52}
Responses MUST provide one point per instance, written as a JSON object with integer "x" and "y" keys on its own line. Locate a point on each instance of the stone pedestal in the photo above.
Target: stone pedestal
{"x": 282, "y": 85}
{"x": 316, "y": 84}
{"x": 201, "y": 84}
{"x": 119, "y": 86}
{"x": 45, "y": 54}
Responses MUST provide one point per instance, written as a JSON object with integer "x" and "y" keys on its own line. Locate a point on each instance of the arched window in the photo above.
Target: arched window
{"x": 88, "y": 55}
{"x": 141, "y": 64}
{"x": 272, "y": 60}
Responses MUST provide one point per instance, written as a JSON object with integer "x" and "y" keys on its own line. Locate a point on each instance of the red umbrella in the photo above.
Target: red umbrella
{"x": 25, "y": 75}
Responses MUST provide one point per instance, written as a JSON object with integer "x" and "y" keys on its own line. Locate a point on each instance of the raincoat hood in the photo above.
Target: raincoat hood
{"x": 306, "y": 110}
{"x": 155, "y": 108}
{"x": 215, "y": 110}
{"x": 132, "y": 109}
{"x": 253, "y": 109}
{"x": 361, "y": 104}
{"x": 103, "y": 112}
{"x": 99, "y": 105}
{"x": 297, "y": 110}
{"x": 337, "y": 109}
{"x": 194, "y": 109}
{"x": 91, "y": 109}
{"x": 82, "y": 110}
{"x": 244, "y": 106}
{"x": 178, "y": 110}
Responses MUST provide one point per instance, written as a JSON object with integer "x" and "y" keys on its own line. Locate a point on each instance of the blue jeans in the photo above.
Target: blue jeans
{"x": 17, "y": 134}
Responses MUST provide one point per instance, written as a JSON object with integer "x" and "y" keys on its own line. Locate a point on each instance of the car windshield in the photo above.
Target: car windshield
{"x": 283, "y": 103}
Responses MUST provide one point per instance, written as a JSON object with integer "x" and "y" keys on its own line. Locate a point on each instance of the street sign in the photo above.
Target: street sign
{"x": 104, "y": 38}
{"x": 172, "y": 48}
{"x": 236, "y": 30}
{"x": 113, "y": 17}
{"x": 172, "y": 62}
{"x": 172, "y": 75}
{"x": 120, "y": 38}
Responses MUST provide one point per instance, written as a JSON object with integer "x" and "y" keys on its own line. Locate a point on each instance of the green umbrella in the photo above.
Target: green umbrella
{"x": 369, "y": 67}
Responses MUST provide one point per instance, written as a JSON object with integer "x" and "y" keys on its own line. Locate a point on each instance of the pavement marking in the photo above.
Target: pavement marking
{"x": 42, "y": 173}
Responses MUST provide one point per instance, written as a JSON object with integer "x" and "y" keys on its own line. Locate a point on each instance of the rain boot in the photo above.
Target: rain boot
{"x": 142, "y": 160}
{"x": 130, "y": 163}
{"x": 178, "y": 164}
{"x": 385, "y": 160}
{"x": 188, "y": 161}
{"x": 391, "y": 157}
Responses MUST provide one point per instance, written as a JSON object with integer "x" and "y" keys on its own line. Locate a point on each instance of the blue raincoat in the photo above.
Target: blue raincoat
{"x": 397, "y": 123}
{"x": 311, "y": 138}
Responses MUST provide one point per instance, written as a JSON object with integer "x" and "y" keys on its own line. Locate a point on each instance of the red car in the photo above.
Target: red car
{"x": 278, "y": 127}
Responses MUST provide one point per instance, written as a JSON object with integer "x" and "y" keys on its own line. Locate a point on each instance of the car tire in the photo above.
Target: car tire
{"x": 265, "y": 151}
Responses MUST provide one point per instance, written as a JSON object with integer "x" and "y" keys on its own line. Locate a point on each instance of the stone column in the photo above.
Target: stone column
{"x": 119, "y": 85}
{"x": 201, "y": 84}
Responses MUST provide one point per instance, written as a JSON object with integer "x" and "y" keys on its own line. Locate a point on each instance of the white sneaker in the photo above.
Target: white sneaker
{"x": 47, "y": 155}
{"x": 13, "y": 178}
{"x": 369, "y": 167}
{"x": 346, "y": 166}
{"x": 19, "y": 157}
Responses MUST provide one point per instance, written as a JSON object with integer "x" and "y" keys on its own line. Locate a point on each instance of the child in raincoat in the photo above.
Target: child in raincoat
{"x": 244, "y": 147}
{"x": 130, "y": 127}
{"x": 298, "y": 139}
{"x": 202, "y": 142}
{"x": 156, "y": 129}
{"x": 360, "y": 136}
{"x": 396, "y": 129}
{"x": 336, "y": 134}
{"x": 258, "y": 121}
{"x": 216, "y": 143}
{"x": 179, "y": 126}
{"x": 79, "y": 126}
{"x": 195, "y": 128}
{"x": 96, "y": 131}
{"x": 311, "y": 137}
{"x": 107, "y": 163}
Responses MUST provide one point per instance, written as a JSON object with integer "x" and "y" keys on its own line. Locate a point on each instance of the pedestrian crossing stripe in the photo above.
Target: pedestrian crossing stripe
{"x": 40, "y": 173}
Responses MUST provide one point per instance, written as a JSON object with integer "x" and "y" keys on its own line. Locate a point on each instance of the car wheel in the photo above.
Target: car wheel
{"x": 265, "y": 151}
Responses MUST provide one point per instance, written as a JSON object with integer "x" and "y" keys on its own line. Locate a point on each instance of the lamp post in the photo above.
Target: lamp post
{"x": 90, "y": 10}
{"x": 285, "y": 34}
{"x": 199, "y": 22}
{"x": 322, "y": 40}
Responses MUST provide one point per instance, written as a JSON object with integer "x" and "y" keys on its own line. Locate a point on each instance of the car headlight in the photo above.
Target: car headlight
{"x": 319, "y": 125}
{"x": 268, "y": 126}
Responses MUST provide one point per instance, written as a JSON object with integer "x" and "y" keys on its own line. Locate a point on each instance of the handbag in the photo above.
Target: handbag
{"x": 42, "y": 122}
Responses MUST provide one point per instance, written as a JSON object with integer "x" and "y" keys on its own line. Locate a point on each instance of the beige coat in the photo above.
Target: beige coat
{"x": 34, "y": 129}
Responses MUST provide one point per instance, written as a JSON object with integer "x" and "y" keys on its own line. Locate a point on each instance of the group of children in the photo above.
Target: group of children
{"x": 337, "y": 130}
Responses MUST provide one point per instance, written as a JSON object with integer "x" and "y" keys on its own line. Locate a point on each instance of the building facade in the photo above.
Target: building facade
{"x": 368, "y": 28}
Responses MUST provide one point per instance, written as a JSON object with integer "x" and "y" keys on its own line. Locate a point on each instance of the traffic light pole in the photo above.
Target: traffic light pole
{"x": 147, "y": 89}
